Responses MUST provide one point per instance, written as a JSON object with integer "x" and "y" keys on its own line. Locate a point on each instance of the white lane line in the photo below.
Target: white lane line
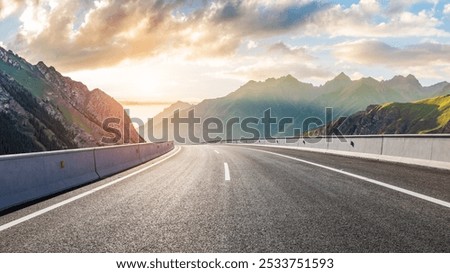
{"x": 227, "y": 172}
{"x": 373, "y": 181}
{"x": 72, "y": 199}
{"x": 216, "y": 152}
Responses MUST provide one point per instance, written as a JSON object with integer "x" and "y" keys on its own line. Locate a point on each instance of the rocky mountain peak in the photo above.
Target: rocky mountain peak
{"x": 289, "y": 77}
{"x": 181, "y": 104}
{"x": 411, "y": 78}
{"x": 339, "y": 80}
{"x": 7, "y": 56}
{"x": 408, "y": 80}
{"x": 369, "y": 81}
{"x": 342, "y": 77}
{"x": 42, "y": 67}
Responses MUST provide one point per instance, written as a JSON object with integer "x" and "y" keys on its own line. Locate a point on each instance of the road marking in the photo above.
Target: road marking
{"x": 216, "y": 152}
{"x": 227, "y": 172}
{"x": 373, "y": 181}
{"x": 72, "y": 199}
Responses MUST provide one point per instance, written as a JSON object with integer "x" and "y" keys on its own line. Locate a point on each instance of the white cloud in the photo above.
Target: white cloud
{"x": 282, "y": 50}
{"x": 398, "y": 6}
{"x": 366, "y": 7}
{"x": 447, "y": 9}
{"x": 262, "y": 69}
{"x": 427, "y": 60}
{"x": 252, "y": 44}
{"x": 34, "y": 18}
{"x": 356, "y": 75}
{"x": 8, "y": 7}
{"x": 375, "y": 52}
{"x": 368, "y": 19}
{"x": 278, "y": 60}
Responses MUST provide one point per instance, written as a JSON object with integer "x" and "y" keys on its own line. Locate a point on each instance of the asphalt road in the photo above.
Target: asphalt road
{"x": 256, "y": 202}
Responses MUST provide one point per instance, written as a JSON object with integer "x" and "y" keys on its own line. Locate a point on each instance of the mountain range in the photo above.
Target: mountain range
{"x": 41, "y": 110}
{"x": 289, "y": 97}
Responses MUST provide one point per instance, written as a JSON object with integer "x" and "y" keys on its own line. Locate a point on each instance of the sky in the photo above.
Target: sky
{"x": 164, "y": 51}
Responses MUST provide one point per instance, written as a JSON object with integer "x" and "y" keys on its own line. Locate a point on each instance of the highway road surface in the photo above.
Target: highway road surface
{"x": 229, "y": 198}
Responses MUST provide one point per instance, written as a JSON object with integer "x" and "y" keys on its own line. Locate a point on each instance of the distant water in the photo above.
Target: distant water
{"x": 145, "y": 111}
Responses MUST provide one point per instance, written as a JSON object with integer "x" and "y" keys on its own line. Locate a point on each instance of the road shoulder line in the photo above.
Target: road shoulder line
{"x": 370, "y": 180}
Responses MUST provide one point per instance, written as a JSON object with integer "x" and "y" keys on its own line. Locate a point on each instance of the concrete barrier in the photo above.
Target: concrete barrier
{"x": 111, "y": 160}
{"x": 440, "y": 150}
{"x": 426, "y": 150}
{"x": 292, "y": 142}
{"x": 147, "y": 151}
{"x": 28, "y": 177}
{"x": 313, "y": 143}
{"x": 368, "y": 144}
{"x": 412, "y": 147}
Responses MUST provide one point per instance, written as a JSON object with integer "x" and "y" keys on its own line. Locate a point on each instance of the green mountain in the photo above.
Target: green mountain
{"x": 424, "y": 116}
{"x": 42, "y": 110}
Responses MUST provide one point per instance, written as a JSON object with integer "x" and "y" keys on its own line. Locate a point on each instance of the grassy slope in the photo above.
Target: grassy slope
{"x": 443, "y": 104}
{"x": 423, "y": 113}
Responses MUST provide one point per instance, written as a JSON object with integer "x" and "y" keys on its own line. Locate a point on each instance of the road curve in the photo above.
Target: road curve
{"x": 229, "y": 198}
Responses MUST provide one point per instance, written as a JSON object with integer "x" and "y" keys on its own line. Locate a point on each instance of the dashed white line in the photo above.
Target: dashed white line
{"x": 72, "y": 199}
{"x": 216, "y": 152}
{"x": 227, "y": 172}
{"x": 373, "y": 181}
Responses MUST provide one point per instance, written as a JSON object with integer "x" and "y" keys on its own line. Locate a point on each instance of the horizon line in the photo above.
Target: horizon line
{"x": 145, "y": 102}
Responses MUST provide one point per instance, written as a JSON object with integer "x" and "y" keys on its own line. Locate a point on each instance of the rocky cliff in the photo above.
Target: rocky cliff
{"x": 42, "y": 110}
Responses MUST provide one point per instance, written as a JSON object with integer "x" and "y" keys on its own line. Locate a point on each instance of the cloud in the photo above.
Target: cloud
{"x": 375, "y": 52}
{"x": 369, "y": 19}
{"x": 367, "y": 7}
{"x": 260, "y": 17}
{"x": 280, "y": 49}
{"x": 8, "y": 7}
{"x": 111, "y": 31}
{"x": 447, "y": 9}
{"x": 263, "y": 69}
{"x": 73, "y": 35}
{"x": 398, "y": 6}
{"x": 279, "y": 60}
{"x": 229, "y": 10}
{"x": 252, "y": 44}
{"x": 76, "y": 35}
